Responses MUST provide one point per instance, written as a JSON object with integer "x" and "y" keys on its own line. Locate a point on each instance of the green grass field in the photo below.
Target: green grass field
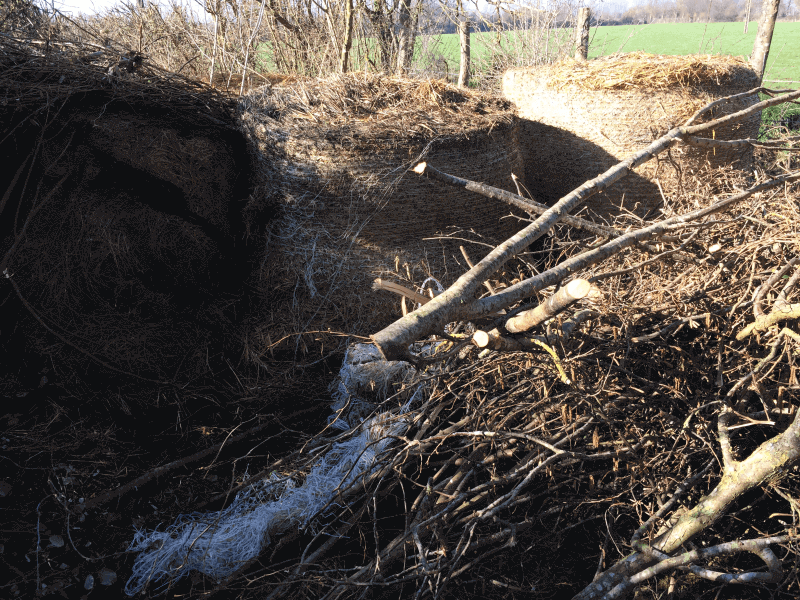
{"x": 783, "y": 65}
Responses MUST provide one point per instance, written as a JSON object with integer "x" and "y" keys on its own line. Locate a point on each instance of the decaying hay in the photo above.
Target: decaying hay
{"x": 580, "y": 118}
{"x": 342, "y": 148}
{"x": 130, "y": 248}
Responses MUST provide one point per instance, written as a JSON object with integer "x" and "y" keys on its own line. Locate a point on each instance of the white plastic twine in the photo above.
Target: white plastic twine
{"x": 218, "y": 544}
{"x": 439, "y": 287}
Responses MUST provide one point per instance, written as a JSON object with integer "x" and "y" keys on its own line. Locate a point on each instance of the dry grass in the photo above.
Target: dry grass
{"x": 648, "y": 71}
{"x": 342, "y": 147}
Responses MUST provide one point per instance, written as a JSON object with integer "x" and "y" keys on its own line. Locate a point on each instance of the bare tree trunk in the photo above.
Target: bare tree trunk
{"x": 747, "y": 14}
{"x": 380, "y": 18}
{"x": 405, "y": 37}
{"x": 582, "y": 34}
{"x": 344, "y": 58}
{"x": 766, "y": 25}
{"x": 463, "y": 36}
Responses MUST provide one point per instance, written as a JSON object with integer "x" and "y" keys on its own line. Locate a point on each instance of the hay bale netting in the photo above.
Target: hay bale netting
{"x": 354, "y": 212}
{"x": 578, "y": 119}
{"x": 122, "y": 221}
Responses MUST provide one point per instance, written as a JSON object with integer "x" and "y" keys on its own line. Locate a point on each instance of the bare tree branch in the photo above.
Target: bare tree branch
{"x": 458, "y": 301}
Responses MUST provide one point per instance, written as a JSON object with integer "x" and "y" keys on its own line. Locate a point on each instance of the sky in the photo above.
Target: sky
{"x": 89, "y": 7}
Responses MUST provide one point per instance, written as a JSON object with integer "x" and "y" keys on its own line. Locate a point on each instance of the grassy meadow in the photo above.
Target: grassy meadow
{"x": 783, "y": 64}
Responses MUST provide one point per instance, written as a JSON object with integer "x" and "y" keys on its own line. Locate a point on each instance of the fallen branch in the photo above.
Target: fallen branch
{"x": 529, "y": 206}
{"x": 458, "y": 302}
{"x": 555, "y": 275}
{"x": 737, "y": 478}
{"x": 764, "y": 322}
{"x": 572, "y": 292}
{"x": 390, "y": 286}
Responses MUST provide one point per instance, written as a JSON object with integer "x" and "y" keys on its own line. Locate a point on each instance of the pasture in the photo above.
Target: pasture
{"x": 783, "y": 65}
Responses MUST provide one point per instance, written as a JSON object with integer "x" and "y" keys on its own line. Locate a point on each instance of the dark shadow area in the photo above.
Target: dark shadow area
{"x": 552, "y": 162}
{"x": 124, "y": 235}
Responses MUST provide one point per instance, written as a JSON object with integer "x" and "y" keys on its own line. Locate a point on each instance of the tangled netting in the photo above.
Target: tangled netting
{"x": 218, "y": 544}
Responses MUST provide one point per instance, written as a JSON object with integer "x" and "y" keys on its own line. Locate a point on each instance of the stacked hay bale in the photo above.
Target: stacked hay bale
{"x": 354, "y": 212}
{"x": 580, "y": 118}
{"x": 128, "y": 252}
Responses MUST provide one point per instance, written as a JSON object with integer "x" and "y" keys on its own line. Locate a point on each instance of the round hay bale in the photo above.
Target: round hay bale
{"x": 353, "y": 212}
{"x": 132, "y": 252}
{"x": 577, "y": 119}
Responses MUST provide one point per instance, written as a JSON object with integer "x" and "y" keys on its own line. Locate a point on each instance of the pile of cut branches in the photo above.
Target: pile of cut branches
{"x": 645, "y": 435}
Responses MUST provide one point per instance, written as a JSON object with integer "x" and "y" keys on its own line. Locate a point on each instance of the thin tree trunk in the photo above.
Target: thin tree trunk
{"x": 405, "y": 38}
{"x": 344, "y": 58}
{"x": 766, "y": 25}
{"x": 463, "y": 36}
{"x": 747, "y": 14}
{"x": 582, "y": 34}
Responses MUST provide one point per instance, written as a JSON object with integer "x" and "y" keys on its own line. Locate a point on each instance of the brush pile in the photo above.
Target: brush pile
{"x": 667, "y": 416}
{"x": 654, "y": 419}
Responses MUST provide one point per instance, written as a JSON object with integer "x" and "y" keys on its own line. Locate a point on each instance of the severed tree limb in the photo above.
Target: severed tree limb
{"x": 458, "y": 302}
{"x": 781, "y": 310}
{"x": 565, "y": 296}
{"x": 743, "y": 143}
{"x": 740, "y": 96}
{"x": 764, "y": 322}
{"x": 494, "y": 340}
{"x": 759, "y": 547}
{"x": 644, "y": 263}
{"x": 767, "y": 286}
{"x": 781, "y": 299}
{"x": 768, "y": 460}
{"x": 553, "y": 276}
{"x": 390, "y": 286}
{"x": 529, "y": 206}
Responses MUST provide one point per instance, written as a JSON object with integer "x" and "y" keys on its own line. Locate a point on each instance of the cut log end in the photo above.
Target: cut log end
{"x": 420, "y": 168}
{"x": 578, "y": 288}
{"x": 480, "y": 339}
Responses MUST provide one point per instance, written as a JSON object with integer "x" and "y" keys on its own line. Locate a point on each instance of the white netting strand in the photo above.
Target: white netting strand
{"x": 218, "y": 544}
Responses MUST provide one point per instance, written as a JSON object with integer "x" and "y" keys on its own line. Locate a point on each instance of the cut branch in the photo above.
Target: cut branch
{"x": 769, "y": 458}
{"x": 390, "y": 286}
{"x": 458, "y": 302}
{"x": 564, "y": 297}
{"x": 529, "y": 206}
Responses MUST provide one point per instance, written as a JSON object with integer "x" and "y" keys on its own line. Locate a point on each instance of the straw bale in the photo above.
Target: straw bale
{"x": 582, "y": 118}
{"x": 353, "y": 212}
{"x": 199, "y": 160}
{"x": 133, "y": 248}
